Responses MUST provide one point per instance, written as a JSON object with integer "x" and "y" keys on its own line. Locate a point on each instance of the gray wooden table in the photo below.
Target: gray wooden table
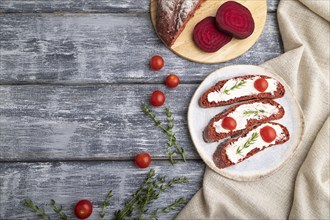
{"x": 72, "y": 77}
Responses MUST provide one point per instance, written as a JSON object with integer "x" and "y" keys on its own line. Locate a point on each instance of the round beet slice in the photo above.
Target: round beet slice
{"x": 234, "y": 19}
{"x": 207, "y": 37}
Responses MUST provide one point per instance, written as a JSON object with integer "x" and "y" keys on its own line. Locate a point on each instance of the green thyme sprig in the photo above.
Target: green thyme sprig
{"x": 58, "y": 210}
{"x": 130, "y": 206}
{"x": 105, "y": 204}
{"x": 158, "y": 186}
{"x": 237, "y": 85}
{"x": 172, "y": 182}
{"x": 172, "y": 138}
{"x": 167, "y": 209}
{"x": 148, "y": 192}
{"x": 39, "y": 212}
{"x": 248, "y": 143}
{"x": 169, "y": 131}
{"x": 253, "y": 112}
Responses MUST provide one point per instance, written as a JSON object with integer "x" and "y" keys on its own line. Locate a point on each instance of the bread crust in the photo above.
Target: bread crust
{"x": 220, "y": 157}
{"x": 280, "y": 91}
{"x": 210, "y": 134}
{"x": 167, "y": 20}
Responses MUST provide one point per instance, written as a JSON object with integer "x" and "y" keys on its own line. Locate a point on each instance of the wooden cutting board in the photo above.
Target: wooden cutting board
{"x": 186, "y": 48}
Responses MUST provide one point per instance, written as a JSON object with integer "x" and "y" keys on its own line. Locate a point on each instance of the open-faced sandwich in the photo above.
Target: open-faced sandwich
{"x": 239, "y": 117}
{"x": 250, "y": 142}
{"x": 242, "y": 88}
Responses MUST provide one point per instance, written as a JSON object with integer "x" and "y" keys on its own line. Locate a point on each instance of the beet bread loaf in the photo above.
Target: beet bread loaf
{"x": 172, "y": 17}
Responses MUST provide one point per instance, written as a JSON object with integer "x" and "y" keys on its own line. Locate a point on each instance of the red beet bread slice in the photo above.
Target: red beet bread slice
{"x": 238, "y": 89}
{"x": 235, "y": 20}
{"x": 247, "y": 114}
{"x": 247, "y": 144}
{"x": 207, "y": 37}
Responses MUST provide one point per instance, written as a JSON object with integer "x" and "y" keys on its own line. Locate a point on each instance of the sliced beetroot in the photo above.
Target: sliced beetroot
{"x": 207, "y": 37}
{"x": 234, "y": 19}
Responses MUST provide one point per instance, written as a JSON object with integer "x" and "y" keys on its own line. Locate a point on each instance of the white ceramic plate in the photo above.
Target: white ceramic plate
{"x": 263, "y": 163}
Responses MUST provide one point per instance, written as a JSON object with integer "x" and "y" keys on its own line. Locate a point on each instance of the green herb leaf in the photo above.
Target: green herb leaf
{"x": 58, "y": 210}
{"x": 132, "y": 204}
{"x": 167, "y": 209}
{"x": 148, "y": 192}
{"x": 39, "y": 212}
{"x": 253, "y": 112}
{"x": 168, "y": 131}
{"x": 237, "y": 85}
{"x": 248, "y": 143}
{"x": 105, "y": 204}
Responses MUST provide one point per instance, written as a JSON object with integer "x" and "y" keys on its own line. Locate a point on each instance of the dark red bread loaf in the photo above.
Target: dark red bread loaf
{"x": 172, "y": 17}
{"x": 247, "y": 114}
{"x": 237, "y": 149}
{"x": 240, "y": 88}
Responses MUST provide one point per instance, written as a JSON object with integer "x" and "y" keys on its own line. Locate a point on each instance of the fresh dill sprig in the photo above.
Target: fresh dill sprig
{"x": 169, "y": 131}
{"x": 167, "y": 209}
{"x": 105, "y": 204}
{"x": 236, "y": 86}
{"x": 39, "y": 212}
{"x": 248, "y": 143}
{"x": 58, "y": 210}
{"x": 253, "y": 112}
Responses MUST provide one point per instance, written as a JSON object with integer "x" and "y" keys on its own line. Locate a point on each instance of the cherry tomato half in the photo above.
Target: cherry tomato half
{"x": 229, "y": 123}
{"x": 157, "y": 98}
{"x": 261, "y": 84}
{"x": 142, "y": 160}
{"x": 156, "y": 62}
{"x": 172, "y": 81}
{"x": 268, "y": 134}
{"x": 83, "y": 209}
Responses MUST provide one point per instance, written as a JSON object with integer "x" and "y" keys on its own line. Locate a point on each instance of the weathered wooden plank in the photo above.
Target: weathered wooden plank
{"x": 106, "y": 48}
{"x": 101, "y": 122}
{"x": 74, "y": 6}
{"x": 67, "y": 183}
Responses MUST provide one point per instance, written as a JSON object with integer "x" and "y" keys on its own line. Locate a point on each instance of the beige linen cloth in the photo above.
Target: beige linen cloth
{"x": 300, "y": 189}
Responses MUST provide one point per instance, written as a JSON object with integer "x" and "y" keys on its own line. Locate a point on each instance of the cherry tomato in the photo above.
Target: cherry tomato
{"x": 142, "y": 160}
{"x": 156, "y": 63}
{"x": 229, "y": 123}
{"x": 83, "y": 209}
{"x": 172, "y": 81}
{"x": 261, "y": 84}
{"x": 268, "y": 134}
{"x": 157, "y": 98}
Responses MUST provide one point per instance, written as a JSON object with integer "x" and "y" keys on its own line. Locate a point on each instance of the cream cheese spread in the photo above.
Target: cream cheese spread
{"x": 243, "y": 113}
{"x": 235, "y": 150}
